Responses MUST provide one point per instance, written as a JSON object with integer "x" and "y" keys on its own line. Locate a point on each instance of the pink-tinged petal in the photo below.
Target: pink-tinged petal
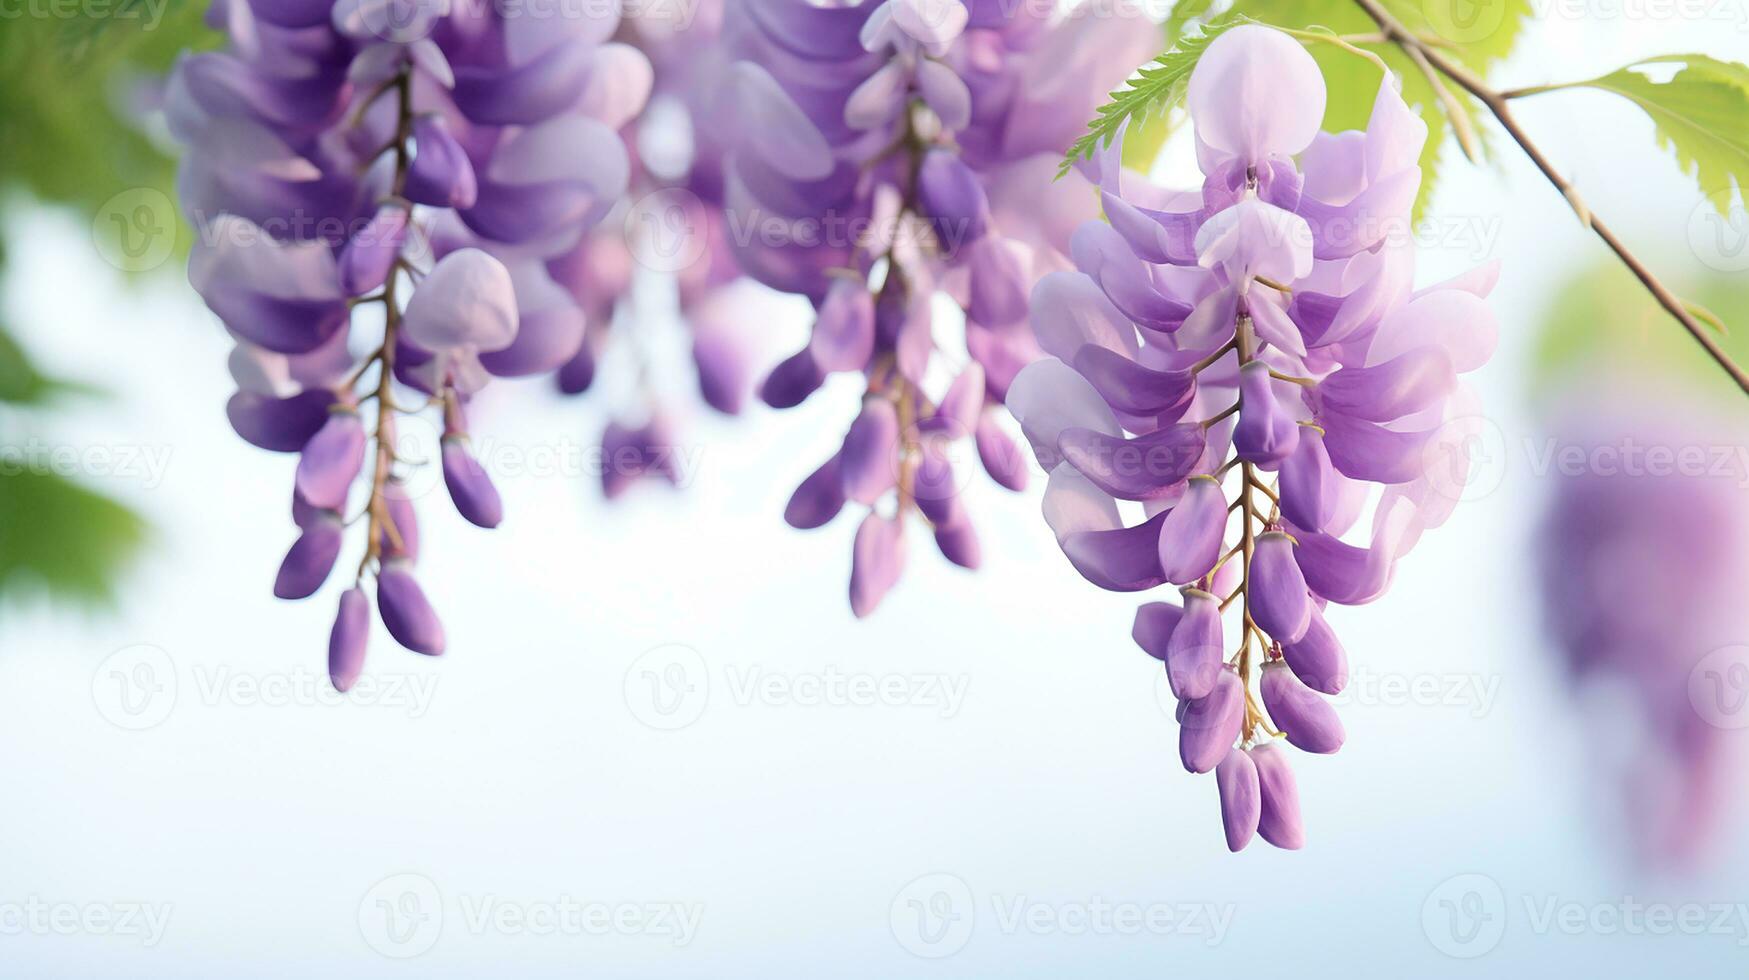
{"x": 1317, "y": 658}
{"x": 1153, "y": 627}
{"x": 1279, "y": 822}
{"x": 959, "y": 544}
{"x": 348, "y": 640}
{"x": 1308, "y": 721}
{"x": 844, "y": 330}
{"x": 406, "y": 612}
{"x": 1070, "y": 310}
{"x": 468, "y": 301}
{"x": 1395, "y": 134}
{"x": 331, "y": 460}
{"x": 1124, "y": 559}
{"x": 1266, "y": 433}
{"x": 1278, "y": 598}
{"x": 1209, "y": 726}
{"x": 1478, "y": 282}
{"x": 777, "y": 129}
{"x": 1308, "y": 498}
{"x": 1146, "y": 467}
{"x": 399, "y": 535}
{"x": 618, "y": 86}
{"x": 470, "y": 487}
{"x": 1256, "y": 93}
{"x": 869, "y": 461}
{"x": 877, "y": 561}
{"x": 1195, "y": 654}
{"x": 1458, "y": 322}
{"x": 311, "y": 558}
{"x": 1241, "y": 798}
{"x": 1191, "y": 537}
{"x": 1002, "y": 459}
{"x": 1046, "y": 398}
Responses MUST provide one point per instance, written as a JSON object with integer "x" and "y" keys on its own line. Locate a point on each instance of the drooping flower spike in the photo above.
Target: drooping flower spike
{"x": 377, "y": 187}
{"x": 1237, "y": 364}
{"x": 883, "y": 154}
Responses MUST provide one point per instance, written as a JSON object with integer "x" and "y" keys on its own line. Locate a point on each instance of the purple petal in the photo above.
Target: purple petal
{"x": 1122, "y": 559}
{"x": 1147, "y": 467}
{"x": 819, "y": 498}
{"x": 1195, "y": 653}
{"x": 1241, "y": 798}
{"x": 1308, "y": 494}
{"x": 1133, "y": 389}
{"x": 1210, "y": 725}
{"x": 998, "y": 282}
{"x": 953, "y": 199}
{"x": 1278, "y": 598}
{"x": 1000, "y": 456}
{"x": 1266, "y": 433}
{"x": 792, "y": 381}
{"x": 441, "y": 174}
{"x": 877, "y": 560}
{"x": 1256, "y": 93}
{"x": 530, "y": 93}
{"x": 369, "y": 257}
{"x": 332, "y": 459}
{"x": 281, "y": 425}
{"x": 959, "y": 544}
{"x": 844, "y": 330}
{"x": 468, "y": 301}
{"x": 406, "y": 612}
{"x": 471, "y": 489}
{"x": 1191, "y": 536}
{"x": 310, "y": 559}
{"x": 869, "y": 460}
{"x": 1370, "y": 452}
{"x": 348, "y": 640}
{"x": 1317, "y": 658}
{"x": 1153, "y": 628}
{"x": 1403, "y": 385}
{"x": 1308, "y": 721}
{"x": 1279, "y": 820}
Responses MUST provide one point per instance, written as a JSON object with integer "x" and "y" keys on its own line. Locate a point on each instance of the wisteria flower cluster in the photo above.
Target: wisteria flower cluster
{"x": 1641, "y": 574}
{"x": 1245, "y": 362}
{"x": 378, "y": 188}
{"x": 884, "y": 154}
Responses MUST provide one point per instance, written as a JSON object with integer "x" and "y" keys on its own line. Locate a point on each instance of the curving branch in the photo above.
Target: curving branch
{"x": 1423, "y": 53}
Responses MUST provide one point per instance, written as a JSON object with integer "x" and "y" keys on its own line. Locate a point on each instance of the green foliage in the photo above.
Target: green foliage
{"x": 70, "y": 135}
{"x": 1605, "y": 320}
{"x": 58, "y": 537}
{"x": 1701, "y": 112}
{"x": 1156, "y": 88}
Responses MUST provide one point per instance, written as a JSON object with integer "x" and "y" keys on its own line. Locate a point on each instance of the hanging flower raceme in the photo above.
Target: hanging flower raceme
{"x": 376, "y": 187}
{"x": 667, "y": 247}
{"x": 884, "y": 154}
{"x": 1641, "y": 572}
{"x": 1242, "y": 362}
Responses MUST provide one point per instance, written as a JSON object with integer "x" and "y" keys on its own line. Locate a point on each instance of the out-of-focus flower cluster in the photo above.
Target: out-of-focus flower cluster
{"x": 381, "y": 191}
{"x": 1245, "y": 362}
{"x": 882, "y": 155}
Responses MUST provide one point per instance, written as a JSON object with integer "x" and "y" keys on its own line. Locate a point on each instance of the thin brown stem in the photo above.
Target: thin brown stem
{"x": 1498, "y": 104}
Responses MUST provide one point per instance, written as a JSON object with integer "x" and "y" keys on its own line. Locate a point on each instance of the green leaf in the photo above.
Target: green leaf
{"x": 1155, "y": 88}
{"x": 60, "y": 537}
{"x": 1477, "y": 35}
{"x": 1701, "y": 112}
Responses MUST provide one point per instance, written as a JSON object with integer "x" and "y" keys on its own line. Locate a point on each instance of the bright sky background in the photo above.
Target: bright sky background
{"x": 1035, "y": 764}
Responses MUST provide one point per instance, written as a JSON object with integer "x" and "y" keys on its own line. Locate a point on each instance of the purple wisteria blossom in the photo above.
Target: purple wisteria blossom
{"x": 882, "y": 156}
{"x": 1641, "y": 567}
{"x": 1241, "y": 362}
{"x": 377, "y": 187}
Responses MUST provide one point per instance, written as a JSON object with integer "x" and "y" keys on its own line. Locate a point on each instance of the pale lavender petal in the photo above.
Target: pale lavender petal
{"x": 1153, "y": 627}
{"x": 1308, "y": 721}
{"x": 1121, "y": 559}
{"x": 1195, "y": 653}
{"x": 869, "y": 460}
{"x": 1146, "y": 467}
{"x": 1279, "y": 821}
{"x": 1266, "y": 433}
{"x": 468, "y": 301}
{"x": 348, "y": 639}
{"x": 844, "y": 330}
{"x": 1403, "y": 385}
{"x": 1317, "y": 658}
{"x": 1308, "y": 498}
{"x": 1241, "y": 798}
{"x": 1256, "y": 93}
{"x": 332, "y": 460}
{"x": 406, "y": 612}
{"x": 877, "y": 561}
{"x": 1001, "y": 457}
{"x": 1191, "y": 537}
{"x": 1210, "y": 725}
{"x": 1278, "y": 598}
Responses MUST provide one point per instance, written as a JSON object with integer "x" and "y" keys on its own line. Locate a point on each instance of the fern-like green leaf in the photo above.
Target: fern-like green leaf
{"x": 1155, "y": 89}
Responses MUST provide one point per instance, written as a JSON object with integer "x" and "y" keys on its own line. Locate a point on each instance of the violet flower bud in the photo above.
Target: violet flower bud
{"x": 348, "y": 640}
{"x": 311, "y": 558}
{"x": 369, "y": 257}
{"x": 1209, "y": 726}
{"x": 1241, "y": 798}
{"x": 1266, "y": 433}
{"x": 332, "y": 460}
{"x": 869, "y": 462}
{"x": 877, "y": 560}
{"x": 1190, "y": 537}
{"x": 1279, "y": 819}
{"x": 1194, "y": 652}
{"x": 1317, "y": 658}
{"x": 441, "y": 174}
{"x": 819, "y": 498}
{"x": 1308, "y": 721}
{"x": 406, "y": 612}
{"x": 470, "y": 488}
{"x": 1279, "y": 601}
